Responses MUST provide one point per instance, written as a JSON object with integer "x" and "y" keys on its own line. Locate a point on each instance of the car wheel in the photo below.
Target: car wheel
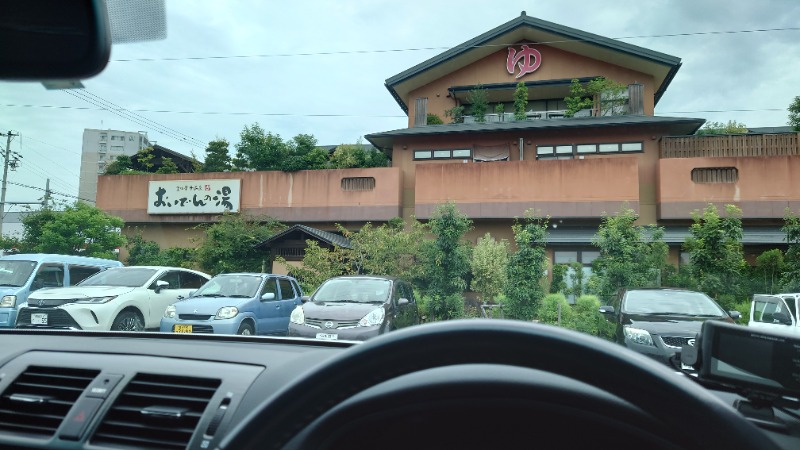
{"x": 128, "y": 321}
{"x": 245, "y": 329}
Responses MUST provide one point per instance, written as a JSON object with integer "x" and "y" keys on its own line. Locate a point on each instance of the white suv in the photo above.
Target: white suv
{"x": 119, "y": 299}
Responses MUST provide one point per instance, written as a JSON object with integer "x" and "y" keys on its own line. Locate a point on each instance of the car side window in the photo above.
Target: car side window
{"x": 287, "y": 292}
{"x": 49, "y": 275}
{"x": 297, "y": 288}
{"x": 191, "y": 280}
{"x": 79, "y": 273}
{"x": 270, "y": 287}
{"x": 173, "y": 278}
{"x": 406, "y": 292}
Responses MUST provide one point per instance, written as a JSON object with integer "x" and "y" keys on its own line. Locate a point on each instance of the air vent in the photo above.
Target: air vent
{"x": 156, "y": 412}
{"x": 38, "y": 400}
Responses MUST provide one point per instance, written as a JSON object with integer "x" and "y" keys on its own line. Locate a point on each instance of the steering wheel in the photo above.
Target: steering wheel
{"x": 688, "y": 415}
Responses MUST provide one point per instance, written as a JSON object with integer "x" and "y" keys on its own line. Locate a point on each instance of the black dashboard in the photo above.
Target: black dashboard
{"x": 100, "y": 390}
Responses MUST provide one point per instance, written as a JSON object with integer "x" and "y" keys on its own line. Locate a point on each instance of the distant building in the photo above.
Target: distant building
{"x": 100, "y": 147}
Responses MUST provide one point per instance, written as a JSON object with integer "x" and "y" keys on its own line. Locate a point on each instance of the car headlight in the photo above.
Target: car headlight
{"x": 375, "y": 317}
{"x": 96, "y": 300}
{"x": 298, "y": 316}
{"x": 8, "y": 301}
{"x": 638, "y": 336}
{"x": 227, "y": 312}
{"x": 170, "y": 312}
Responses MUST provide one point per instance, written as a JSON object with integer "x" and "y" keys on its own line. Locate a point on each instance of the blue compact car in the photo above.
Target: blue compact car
{"x": 236, "y": 303}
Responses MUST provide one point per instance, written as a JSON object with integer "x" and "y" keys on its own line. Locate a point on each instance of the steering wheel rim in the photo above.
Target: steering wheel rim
{"x": 644, "y": 383}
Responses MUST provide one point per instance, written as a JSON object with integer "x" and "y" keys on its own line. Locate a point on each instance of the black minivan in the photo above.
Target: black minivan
{"x": 658, "y": 322}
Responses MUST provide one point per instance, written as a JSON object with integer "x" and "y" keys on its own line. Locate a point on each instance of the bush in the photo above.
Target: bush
{"x": 744, "y": 309}
{"x": 548, "y": 311}
{"x": 433, "y": 119}
{"x": 444, "y": 308}
{"x": 589, "y": 320}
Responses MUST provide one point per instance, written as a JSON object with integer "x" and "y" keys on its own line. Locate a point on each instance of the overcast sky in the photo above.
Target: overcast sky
{"x": 751, "y": 77}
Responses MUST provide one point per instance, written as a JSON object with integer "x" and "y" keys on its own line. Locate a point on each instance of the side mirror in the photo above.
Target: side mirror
{"x": 305, "y": 298}
{"x": 735, "y": 315}
{"x": 782, "y": 317}
{"x": 160, "y": 285}
{"x": 606, "y": 309}
{"x": 268, "y": 296}
{"x": 402, "y": 301}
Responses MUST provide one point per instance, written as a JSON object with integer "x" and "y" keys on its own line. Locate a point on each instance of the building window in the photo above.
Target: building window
{"x": 103, "y": 147}
{"x": 567, "y": 257}
{"x": 130, "y": 138}
{"x": 116, "y": 148}
{"x": 569, "y": 151}
{"x": 103, "y": 136}
{"x": 464, "y": 153}
{"x": 715, "y": 175}
{"x": 358, "y": 184}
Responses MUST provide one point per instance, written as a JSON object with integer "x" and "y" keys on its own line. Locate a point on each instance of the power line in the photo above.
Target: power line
{"x": 47, "y": 143}
{"x": 234, "y": 113}
{"x": 416, "y": 49}
{"x": 220, "y": 113}
{"x": 139, "y": 120}
{"x": 52, "y": 192}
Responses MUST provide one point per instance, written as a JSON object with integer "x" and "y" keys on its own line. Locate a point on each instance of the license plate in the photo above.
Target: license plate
{"x": 327, "y": 336}
{"x": 38, "y": 319}
{"x": 182, "y": 328}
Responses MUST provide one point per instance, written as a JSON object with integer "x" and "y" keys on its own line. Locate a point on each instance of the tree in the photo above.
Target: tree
{"x": 732, "y": 127}
{"x": 319, "y": 264}
{"x": 79, "y": 229}
{"x": 456, "y": 114}
{"x": 770, "y": 265}
{"x": 790, "y": 276}
{"x": 121, "y": 164}
{"x": 433, "y": 119}
{"x": 612, "y": 97}
{"x": 168, "y": 166}
{"x": 715, "y": 250}
{"x": 558, "y": 283}
{"x": 447, "y": 257}
{"x": 388, "y": 249}
{"x": 259, "y": 150}
{"x": 228, "y": 243}
{"x": 298, "y": 149}
{"x": 628, "y": 258}
{"x": 218, "y": 158}
{"x": 794, "y": 114}
{"x": 349, "y": 156}
{"x": 489, "y": 261}
{"x": 520, "y": 101}
{"x": 526, "y": 267}
{"x": 148, "y": 253}
{"x": 479, "y": 98}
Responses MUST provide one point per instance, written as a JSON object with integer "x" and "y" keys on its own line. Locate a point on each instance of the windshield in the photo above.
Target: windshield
{"x": 15, "y": 273}
{"x": 124, "y": 276}
{"x": 244, "y": 286}
{"x": 354, "y": 290}
{"x": 671, "y": 303}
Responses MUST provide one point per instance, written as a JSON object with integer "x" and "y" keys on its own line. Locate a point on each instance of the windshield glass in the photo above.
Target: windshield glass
{"x": 245, "y": 286}
{"x": 354, "y": 290}
{"x": 15, "y": 273}
{"x": 670, "y": 302}
{"x": 123, "y": 276}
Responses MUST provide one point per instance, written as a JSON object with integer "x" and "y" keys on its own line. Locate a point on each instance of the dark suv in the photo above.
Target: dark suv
{"x": 658, "y": 322}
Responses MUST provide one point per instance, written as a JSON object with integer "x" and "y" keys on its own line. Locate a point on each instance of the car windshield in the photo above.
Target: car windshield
{"x": 122, "y": 277}
{"x": 354, "y": 290}
{"x": 14, "y": 273}
{"x": 676, "y": 303}
{"x": 244, "y": 286}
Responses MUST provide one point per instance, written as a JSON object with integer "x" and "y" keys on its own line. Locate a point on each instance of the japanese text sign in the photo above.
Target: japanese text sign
{"x": 193, "y": 196}
{"x": 527, "y": 60}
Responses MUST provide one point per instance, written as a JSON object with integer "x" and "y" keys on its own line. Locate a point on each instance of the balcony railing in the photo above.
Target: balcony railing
{"x": 530, "y": 115}
{"x": 730, "y": 145}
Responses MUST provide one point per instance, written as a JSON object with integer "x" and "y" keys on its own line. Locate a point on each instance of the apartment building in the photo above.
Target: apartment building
{"x": 101, "y": 147}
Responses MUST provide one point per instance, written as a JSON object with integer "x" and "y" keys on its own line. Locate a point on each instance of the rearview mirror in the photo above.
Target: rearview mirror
{"x": 606, "y": 309}
{"x": 268, "y": 296}
{"x": 305, "y": 298}
{"x": 402, "y": 301}
{"x": 160, "y": 285}
{"x": 735, "y": 315}
{"x": 53, "y": 39}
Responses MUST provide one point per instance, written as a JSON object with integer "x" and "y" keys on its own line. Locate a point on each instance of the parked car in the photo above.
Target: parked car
{"x": 658, "y": 322}
{"x": 24, "y": 273}
{"x": 355, "y": 308}
{"x": 778, "y": 312}
{"x": 119, "y": 299}
{"x": 236, "y": 303}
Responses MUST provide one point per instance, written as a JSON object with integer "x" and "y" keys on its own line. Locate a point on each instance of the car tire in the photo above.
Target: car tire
{"x": 245, "y": 329}
{"x": 128, "y": 321}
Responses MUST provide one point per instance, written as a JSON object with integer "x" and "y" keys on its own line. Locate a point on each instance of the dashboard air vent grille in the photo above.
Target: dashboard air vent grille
{"x": 156, "y": 412}
{"x": 37, "y": 401}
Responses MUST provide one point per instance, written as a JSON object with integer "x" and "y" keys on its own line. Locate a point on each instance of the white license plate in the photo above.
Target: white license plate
{"x": 327, "y": 336}
{"x": 38, "y": 319}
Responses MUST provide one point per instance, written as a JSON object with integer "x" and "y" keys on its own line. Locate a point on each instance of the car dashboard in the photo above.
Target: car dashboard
{"x": 145, "y": 390}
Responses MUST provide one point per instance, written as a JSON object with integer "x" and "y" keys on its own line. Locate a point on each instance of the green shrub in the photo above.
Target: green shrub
{"x": 589, "y": 320}
{"x": 548, "y": 311}
{"x": 433, "y": 119}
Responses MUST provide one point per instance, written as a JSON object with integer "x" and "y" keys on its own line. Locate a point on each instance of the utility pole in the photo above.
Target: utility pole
{"x": 7, "y": 158}
{"x": 46, "y": 200}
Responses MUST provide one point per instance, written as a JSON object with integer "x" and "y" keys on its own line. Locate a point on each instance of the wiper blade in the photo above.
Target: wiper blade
{"x": 8, "y": 285}
{"x": 681, "y": 314}
{"x": 236, "y": 296}
{"x": 209, "y": 295}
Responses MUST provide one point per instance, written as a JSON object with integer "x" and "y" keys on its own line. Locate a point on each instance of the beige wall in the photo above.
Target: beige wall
{"x": 766, "y": 186}
{"x": 556, "y": 64}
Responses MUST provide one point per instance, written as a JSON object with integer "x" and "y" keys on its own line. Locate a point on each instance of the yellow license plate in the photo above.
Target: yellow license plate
{"x": 182, "y": 328}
